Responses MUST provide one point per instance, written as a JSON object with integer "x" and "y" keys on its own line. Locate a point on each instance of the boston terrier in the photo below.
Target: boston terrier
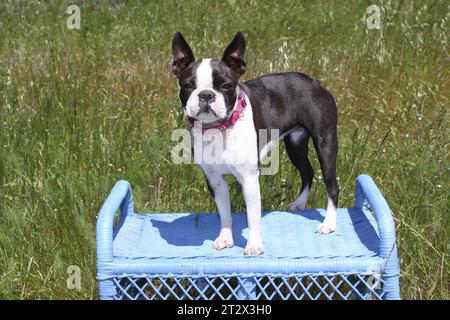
{"x": 221, "y": 108}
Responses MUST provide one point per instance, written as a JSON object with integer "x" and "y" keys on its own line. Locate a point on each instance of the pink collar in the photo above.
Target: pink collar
{"x": 237, "y": 113}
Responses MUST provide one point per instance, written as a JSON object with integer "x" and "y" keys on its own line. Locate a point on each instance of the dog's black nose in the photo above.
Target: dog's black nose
{"x": 206, "y": 96}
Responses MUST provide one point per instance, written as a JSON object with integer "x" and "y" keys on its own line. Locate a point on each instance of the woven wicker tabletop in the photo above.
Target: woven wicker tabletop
{"x": 173, "y": 238}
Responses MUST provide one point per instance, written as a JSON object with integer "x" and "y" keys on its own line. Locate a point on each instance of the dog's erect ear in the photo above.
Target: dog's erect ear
{"x": 182, "y": 54}
{"x": 234, "y": 54}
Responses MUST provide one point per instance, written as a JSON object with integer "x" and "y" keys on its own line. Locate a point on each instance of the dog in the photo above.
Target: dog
{"x": 218, "y": 105}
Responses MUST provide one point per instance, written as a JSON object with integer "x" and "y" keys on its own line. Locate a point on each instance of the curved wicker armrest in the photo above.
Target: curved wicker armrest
{"x": 120, "y": 197}
{"x": 368, "y": 195}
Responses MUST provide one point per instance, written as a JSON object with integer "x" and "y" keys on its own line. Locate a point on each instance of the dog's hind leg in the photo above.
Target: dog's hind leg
{"x": 327, "y": 148}
{"x": 296, "y": 144}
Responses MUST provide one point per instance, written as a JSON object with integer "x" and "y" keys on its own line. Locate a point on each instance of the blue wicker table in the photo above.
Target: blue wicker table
{"x": 170, "y": 256}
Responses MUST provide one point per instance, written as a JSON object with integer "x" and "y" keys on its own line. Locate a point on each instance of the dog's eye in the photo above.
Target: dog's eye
{"x": 187, "y": 86}
{"x": 227, "y": 86}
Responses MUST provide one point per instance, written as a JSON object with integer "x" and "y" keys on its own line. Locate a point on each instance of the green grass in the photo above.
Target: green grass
{"x": 80, "y": 109}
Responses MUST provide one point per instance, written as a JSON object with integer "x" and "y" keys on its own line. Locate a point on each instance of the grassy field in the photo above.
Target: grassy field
{"x": 81, "y": 109}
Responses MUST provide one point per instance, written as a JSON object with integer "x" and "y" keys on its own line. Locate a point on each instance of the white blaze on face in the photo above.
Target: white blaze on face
{"x": 204, "y": 81}
{"x": 204, "y": 75}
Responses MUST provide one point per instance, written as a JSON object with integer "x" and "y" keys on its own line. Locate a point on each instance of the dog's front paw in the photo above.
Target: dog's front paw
{"x": 224, "y": 240}
{"x": 254, "y": 249}
{"x": 326, "y": 227}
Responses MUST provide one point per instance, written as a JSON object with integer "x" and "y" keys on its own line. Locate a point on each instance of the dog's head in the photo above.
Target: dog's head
{"x": 208, "y": 86}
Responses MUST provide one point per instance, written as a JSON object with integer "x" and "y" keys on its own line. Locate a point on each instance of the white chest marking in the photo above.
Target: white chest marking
{"x": 231, "y": 151}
